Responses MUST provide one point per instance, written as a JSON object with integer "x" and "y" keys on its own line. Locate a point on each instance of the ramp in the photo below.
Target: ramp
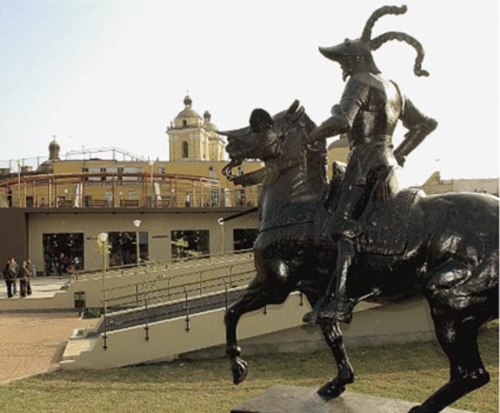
{"x": 128, "y": 342}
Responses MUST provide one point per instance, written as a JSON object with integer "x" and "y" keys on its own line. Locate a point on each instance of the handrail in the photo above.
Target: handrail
{"x": 118, "y": 270}
{"x": 195, "y": 286}
{"x": 222, "y": 264}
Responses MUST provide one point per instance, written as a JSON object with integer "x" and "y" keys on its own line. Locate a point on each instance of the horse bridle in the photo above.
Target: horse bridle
{"x": 269, "y": 172}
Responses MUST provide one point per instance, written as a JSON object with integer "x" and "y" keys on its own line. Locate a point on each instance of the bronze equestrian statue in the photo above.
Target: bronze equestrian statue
{"x": 441, "y": 247}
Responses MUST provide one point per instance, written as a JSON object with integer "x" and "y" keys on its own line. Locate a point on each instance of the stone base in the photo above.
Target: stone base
{"x": 293, "y": 399}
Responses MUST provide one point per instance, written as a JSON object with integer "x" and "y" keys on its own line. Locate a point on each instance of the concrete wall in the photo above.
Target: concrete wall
{"x": 280, "y": 330}
{"x": 13, "y": 235}
{"x": 371, "y": 326}
{"x": 158, "y": 224}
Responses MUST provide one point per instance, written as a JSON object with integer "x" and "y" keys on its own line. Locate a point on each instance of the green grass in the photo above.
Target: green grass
{"x": 410, "y": 372}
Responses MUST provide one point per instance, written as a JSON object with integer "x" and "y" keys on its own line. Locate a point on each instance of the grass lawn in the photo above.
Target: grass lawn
{"x": 410, "y": 372}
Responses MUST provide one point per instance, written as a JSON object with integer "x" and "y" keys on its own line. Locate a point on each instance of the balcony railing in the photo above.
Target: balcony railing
{"x": 121, "y": 190}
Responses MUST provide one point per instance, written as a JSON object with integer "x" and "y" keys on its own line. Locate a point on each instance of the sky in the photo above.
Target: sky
{"x": 114, "y": 73}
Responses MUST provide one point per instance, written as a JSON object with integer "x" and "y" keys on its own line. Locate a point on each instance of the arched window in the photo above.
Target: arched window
{"x": 185, "y": 149}
{"x": 184, "y": 123}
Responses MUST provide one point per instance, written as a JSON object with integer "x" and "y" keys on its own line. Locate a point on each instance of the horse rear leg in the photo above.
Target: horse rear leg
{"x": 458, "y": 339}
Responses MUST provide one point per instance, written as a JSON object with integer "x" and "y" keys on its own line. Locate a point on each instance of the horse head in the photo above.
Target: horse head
{"x": 265, "y": 137}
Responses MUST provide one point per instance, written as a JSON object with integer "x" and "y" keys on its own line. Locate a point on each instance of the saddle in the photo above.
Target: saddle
{"x": 386, "y": 228}
{"x": 385, "y": 221}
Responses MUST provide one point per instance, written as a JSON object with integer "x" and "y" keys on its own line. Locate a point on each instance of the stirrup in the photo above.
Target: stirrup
{"x": 311, "y": 317}
{"x": 346, "y": 228}
{"x": 338, "y": 310}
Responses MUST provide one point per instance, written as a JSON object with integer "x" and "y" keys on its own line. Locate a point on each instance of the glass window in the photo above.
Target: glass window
{"x": 190, "y": 244}
{"x": 62, "y": 253}
{"x": 185, "y": 149}
{"x": 123, "y": 247}
{"x": 244, "y": 238}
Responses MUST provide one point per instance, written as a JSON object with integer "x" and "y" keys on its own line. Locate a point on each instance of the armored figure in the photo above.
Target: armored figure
{"x": 368, "y": 113}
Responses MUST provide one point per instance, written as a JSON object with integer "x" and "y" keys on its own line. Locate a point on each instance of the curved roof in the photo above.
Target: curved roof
{"x": 188, "y": 112}
{"x": 54, "y": 144}
{"x": 339, "y": 143}
{"x": 208, "y": 124}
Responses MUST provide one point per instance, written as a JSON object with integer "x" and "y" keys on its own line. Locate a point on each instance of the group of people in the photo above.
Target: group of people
{"x": 12, "y": 272}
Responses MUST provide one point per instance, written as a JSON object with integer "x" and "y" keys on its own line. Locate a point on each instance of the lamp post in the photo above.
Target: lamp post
{"x": 137, "y": 224}
{"x": 221, "y": 223}
{"x": 102, "y": 240}
{"x": 18, "y": 183}
{"x": 103, "y": 243}
{"x": 151, "y": 163}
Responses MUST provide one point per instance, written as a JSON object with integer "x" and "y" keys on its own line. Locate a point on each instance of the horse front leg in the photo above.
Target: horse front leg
{"x": 345, "y": 374}
{"x": 253, "y": 299}
{"x": 334, "y": 340}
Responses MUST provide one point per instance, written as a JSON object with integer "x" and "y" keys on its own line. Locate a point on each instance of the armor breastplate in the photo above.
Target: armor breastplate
{"x": 380, "y": 106}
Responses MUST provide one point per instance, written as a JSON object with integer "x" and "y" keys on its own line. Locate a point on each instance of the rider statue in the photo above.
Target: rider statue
{"x": 368, "y": 112}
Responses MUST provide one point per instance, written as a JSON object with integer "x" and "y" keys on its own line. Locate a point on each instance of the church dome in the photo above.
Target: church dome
{"x": 339, "y": 143}
{"x": 54, "y": 150}
{"x": 208, "y": 124}
{"x": 54, "y": 145}
{"x": 188, "y": 112}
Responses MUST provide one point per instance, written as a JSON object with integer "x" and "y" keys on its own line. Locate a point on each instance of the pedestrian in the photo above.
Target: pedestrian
{"x": 31, "y": 268}
{"x": 60, "y": 264}
{"x": 9, "y": 197}
{"x": 14, "y": 269}
{"x": 9, "y": 282}
{"x": 187, "y": 200}
{"x": 24, "y": 280}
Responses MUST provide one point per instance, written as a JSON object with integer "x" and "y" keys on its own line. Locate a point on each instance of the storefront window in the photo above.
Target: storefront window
{"x": 190, "y": 244}
{"x": 63, "y": 253}
{"x": 243, "y": 238}
{"x": 123, "y": 247}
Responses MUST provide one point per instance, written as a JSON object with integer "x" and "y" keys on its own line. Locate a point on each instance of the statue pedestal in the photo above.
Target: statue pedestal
{"x": 293, "y": 399}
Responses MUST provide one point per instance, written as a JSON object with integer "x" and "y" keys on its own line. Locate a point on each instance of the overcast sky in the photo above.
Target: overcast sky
{"x": 102, "y": 73}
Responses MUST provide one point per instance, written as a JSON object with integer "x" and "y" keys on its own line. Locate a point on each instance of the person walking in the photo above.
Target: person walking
{"x": 31, "y": 268}
{"x": 24, "y": 280}
{"x": 9, "y": 197}
{"x": 14, "y": 270}
{"x": 7, "y": 276}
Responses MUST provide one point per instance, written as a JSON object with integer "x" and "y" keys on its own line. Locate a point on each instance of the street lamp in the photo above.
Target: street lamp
{"x": 151, "y": 163}
{"x": 102, "y": 240}
{"x": 137, "y": 224}
{"x": 18, "y": 183}
{"x": 220, "y": 221}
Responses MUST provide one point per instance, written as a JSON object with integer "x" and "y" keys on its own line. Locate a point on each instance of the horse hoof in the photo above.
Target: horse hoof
{"x": 239, "y": 368}
{"x": 331, "y": 390}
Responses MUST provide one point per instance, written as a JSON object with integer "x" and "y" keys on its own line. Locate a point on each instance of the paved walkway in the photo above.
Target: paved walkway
{"x": 42, "y": 287}
{"x": 34, "y": 343}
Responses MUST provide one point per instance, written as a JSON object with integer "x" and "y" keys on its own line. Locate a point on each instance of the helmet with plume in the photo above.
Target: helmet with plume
{"x": 355, "y": 55}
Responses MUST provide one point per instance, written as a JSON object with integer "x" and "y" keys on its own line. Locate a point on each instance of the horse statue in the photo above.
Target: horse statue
{"x": 445, "y": 249}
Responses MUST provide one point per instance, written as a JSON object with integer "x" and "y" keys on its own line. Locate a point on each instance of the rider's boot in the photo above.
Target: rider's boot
{"x": 335, "y": 304}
